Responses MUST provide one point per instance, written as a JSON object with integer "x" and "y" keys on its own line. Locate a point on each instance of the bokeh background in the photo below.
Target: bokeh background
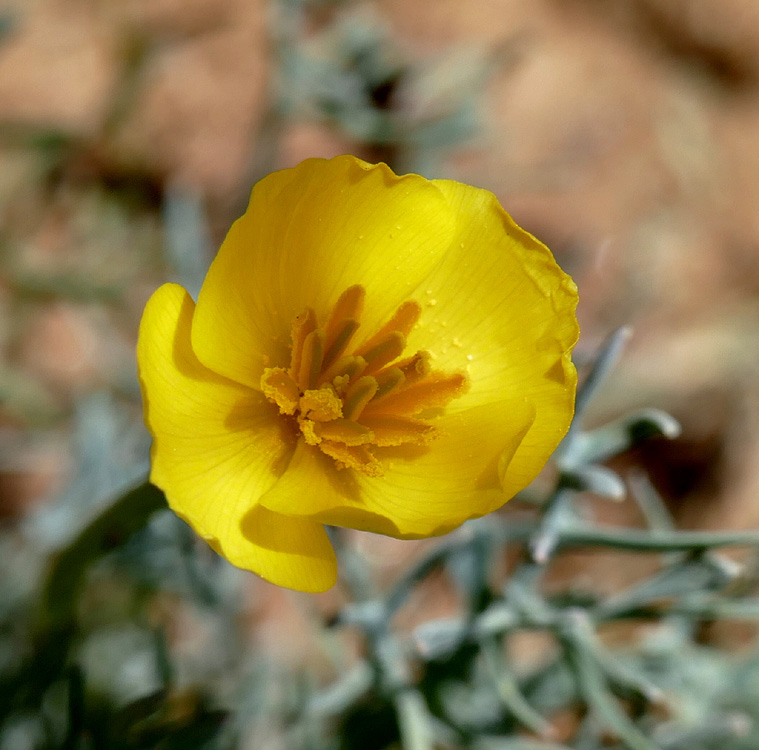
{"x": 623, "y": 133}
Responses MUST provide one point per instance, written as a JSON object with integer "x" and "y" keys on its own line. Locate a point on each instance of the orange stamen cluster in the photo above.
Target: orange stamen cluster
{"x": 350, "y": 404}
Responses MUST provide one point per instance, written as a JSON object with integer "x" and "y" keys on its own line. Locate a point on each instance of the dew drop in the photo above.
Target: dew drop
{"x": 469, "y": 357}
{"x": 457, "y": 343}
{"x": 432, "y": 302}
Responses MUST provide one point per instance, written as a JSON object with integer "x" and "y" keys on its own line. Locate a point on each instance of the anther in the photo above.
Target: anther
{"x": 321, "y": 404}
{"x": 349, "y": 306}
{"x": 384, "y": 351}
{"x": 435, "y": 391}
{"x": 358, "y": 395}
{"x": 388, "y": 380}
{"x": 345, "y": 431}
{"x": 311, "y": 360}
{"x": 351, "y": 367}
{"x": 394, "y": 430}
{"x": 304, "y": 324}
{"x": 279, "y": 387}
{"x": 403, "y": 320}
{"x": 416, "y": 367}
{"x": 353, "y": 457}
{"x": 342, "y": 337}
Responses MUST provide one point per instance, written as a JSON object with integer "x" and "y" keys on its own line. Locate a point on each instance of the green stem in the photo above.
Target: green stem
{"x": 111, "y": 528}
{"x": 507, "y": 688}
{"x": 641, "y": 540}
{"x": 596, "y": 692}
{"x": 413, "y": 720}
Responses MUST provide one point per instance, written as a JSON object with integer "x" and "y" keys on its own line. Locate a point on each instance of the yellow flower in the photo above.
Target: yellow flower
{"x": 383, "y": 353}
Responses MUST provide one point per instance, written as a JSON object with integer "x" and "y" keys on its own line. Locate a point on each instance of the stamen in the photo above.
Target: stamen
{"x": 311, "y": 360}
{"x": 350, "y": 366}
{"x": 388, "y": 380}
{"x": 384, "y": 351}
{"x": 280, "y": 388}
{"x": 308, "y": 430}
{"x": 348, "y": 405}
{"x": 340, "y": 343}
{"x": 436, "y": 391}
{"x": 321, "y": 404}
{"x": 353, "y": 457}
{"x": 403, "y": 321}
{"x": 349, "y": 306}
{"x": 393, "y": 430}
{"x": 358, "y": 396}
{"x": 345, "y": 431}
{"x": 416, "y": 367}
{"x": 340, "y": 384}
{"x": 304, "y": 324}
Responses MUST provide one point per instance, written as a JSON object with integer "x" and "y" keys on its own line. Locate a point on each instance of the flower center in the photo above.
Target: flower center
{"x": 351, "y": 404}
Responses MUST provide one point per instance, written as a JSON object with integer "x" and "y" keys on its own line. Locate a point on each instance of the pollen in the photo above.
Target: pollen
{"x": 352, "y": 396}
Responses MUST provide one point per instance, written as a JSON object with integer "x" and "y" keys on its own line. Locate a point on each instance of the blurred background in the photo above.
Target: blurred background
{"x": 624, "y": 134}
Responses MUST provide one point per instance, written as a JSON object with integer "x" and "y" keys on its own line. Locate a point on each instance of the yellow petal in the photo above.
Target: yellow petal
{"x": 308, "y": 235}
{"x": 217, "y": 446}
{"x": 291, "y": 552}
{"x": 425, "y": 490}
{"x": 499, "y": 308}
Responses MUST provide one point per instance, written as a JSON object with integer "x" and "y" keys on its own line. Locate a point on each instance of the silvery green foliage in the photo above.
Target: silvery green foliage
{"x": 79, "y": 670}
{"x": 451, "y": 682}
{"x": 86, "y": 664}
{"x": 351, "y": 76}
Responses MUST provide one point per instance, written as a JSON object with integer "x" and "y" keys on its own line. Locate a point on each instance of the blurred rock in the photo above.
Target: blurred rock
{"x": 172, "y": 18}
{"x": 430, "y": 25}
{"x": 199, "y": 104}
{"x": 62, "y": 346}
{"x": 304, "y": 140}
{"x": 58, "y": 67}
{"x": 622, "y": 134}
{"x": 29, "y": 472}
{"x": 723, "y": 39}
